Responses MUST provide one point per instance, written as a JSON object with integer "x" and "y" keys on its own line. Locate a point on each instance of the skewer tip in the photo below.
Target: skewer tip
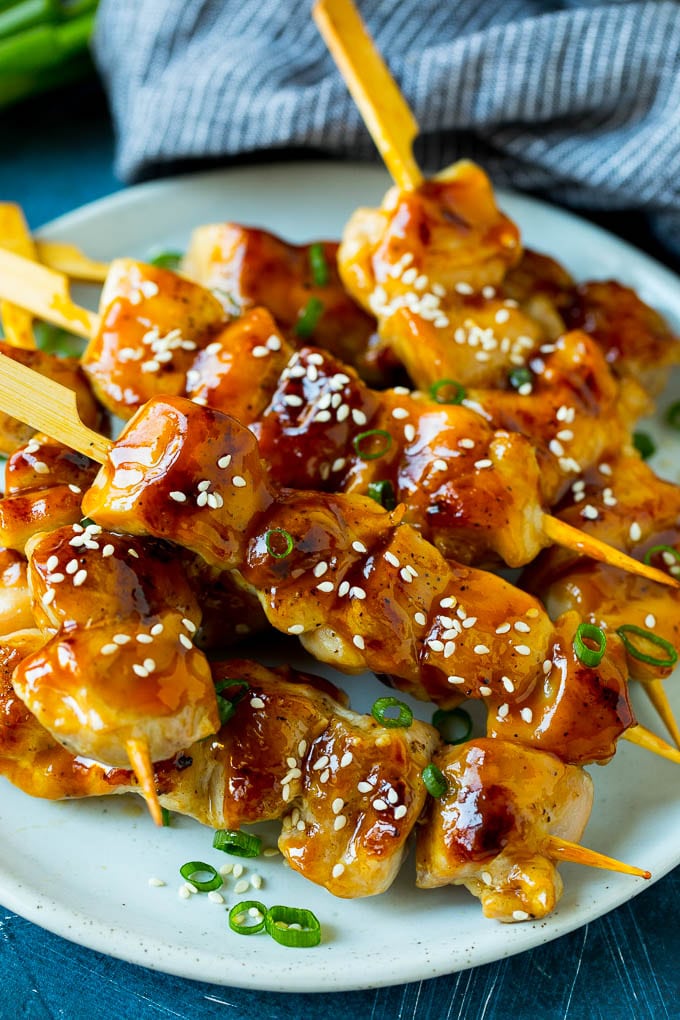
{"x": 564, "y": 850}
{"x": 643, "y": 737}
{"x": 140, "y": 760}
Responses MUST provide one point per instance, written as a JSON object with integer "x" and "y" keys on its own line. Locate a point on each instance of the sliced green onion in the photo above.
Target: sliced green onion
{"x": 519, "y": 377}
{"x": 53, "y": 340}
{"x": 644, "y": 444}
{"x": 365, "y": 452}
{"x": 227, "y": 706}
{"x": 167, "y": 260}
{"x": 654, "y": 639}
{"x": 673, "y": 415}
{"x": 191, "y": 869}
{"x": 309, "y": 319}
{"x": 240, "y": 844}
{"x": 434, "y": 780}
{"x": 663, "y": 550}
{"x": 584, "y": 653}
{"x": 239, "y": 914}
{"x": 279, "y": 920}
{"x": 85, "y": 522}
{"x": 454, "y": 725}
{"x": 279, "y": 543}
{"x": 383, "y": 493}
{"x": 402, "y": 720}
{"x": 166, "y": 818}
{"x": 448, "y": 391}
{"x": 319, "y": 266}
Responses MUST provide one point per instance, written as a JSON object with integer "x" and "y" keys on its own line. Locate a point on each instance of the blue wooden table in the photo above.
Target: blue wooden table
{"x": 57, "y": 154}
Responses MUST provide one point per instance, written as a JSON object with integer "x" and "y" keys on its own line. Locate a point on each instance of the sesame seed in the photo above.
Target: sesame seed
{"x": 448, "y": 602}
{"x": 302, "y": 747}
{"x": 259, "y": 351}
{"x": 420, "y": 618}
{"x": 238, "y": 869}
{"x": 258, "y": 703}
{"x": 52, "y": 563}
{"x": 485, "y": 691}
{"x": 239, "y": 481}
{"x": 456, "y": 679}
{"x": 508, "y": 684}
{"x": 392, "y": 796}
{"x": 133, "y": 553}
{"x": 484, "y": 463}
{"x": 357, "y": 593}
{"x": 321, "y": 762}
{"x": 359, "y": 547}
{"x": 522, "y": 626}
{"x": 325, "y": 586}
{"x": 202, "y": 499}
{"x": 400, "y": 413}
{"x": 320, "y": 569}
{"x": 480, "y": 650}
{"x": 467, "y": 444}
{"x": 650, "y": 621}
{"x": 469, "y": 622}
{"x": 346, "y": 759}
{"x": 109, "y": 649}
{"x": 635, "y": 532}
{"x": 503, "y": 628}
{"x": 185, "y": 641}
{"x": 337, "y": 805}
{"x": 121, "y": 639}
{"x": 296, "y": 628}
{"x": 463, "y": 288}
{"x": 392, "y": 559}
{"x": 203, "y": 486}
{"x": 156, "y": 883}
{"x": 342, "y": 414}
{"x": 285, "y": 793}
{"x": 156, "y": 629}
{"x": 436, "y": 646}
{"x": 527, "y": 715}
{"x": 522, "y": 649}
{"x": 71, "y": 566}
{"x": 108, "y": 550}
{"x": 409, "y": 433}
{"x": 183, "y": 893}
{"x": 379, "y": 804}
{"x": 144, "y": 639}
{"x": 340, "y": 822}
{"x": 547, "y": 666}
{"x": 149, "y": 665}
{"x": 364, "y": 787}
{"x": 337, "y": 871}
{"x": 256, "y": 881}
{"x": 604, "y": 469}
{"x": 358, "y": 417}
{"x": 503, "y": 711}
{"x": 76, "y": 489}
{"x": 520, "y": 915}
{"x": 241, "y": 886}
{"x": 343, "y": 589}
{"x": 139, "y": 670}
{"x": 405, "y": 575}
{"x": 215, "y": 897}
{"x": 590, "y": 512}
{"x": 79, "y": 578}
{"x": 400, "y": 811}
{"x": 359, "y": 642}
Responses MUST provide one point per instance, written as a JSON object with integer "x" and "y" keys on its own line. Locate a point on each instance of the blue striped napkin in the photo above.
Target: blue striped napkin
{"x": 579, "y": 101}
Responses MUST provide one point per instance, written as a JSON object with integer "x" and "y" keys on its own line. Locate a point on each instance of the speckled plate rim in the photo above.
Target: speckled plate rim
{"x": 80, "y": 869}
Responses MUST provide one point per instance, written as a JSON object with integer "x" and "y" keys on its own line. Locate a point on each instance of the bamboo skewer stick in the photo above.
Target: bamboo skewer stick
{"x": 564, "y": 850}
{"x": 656, "y": 692}
{"x": 643, "y": 737}
{"x": 384, "y": 110}
{"x": 140, "y": 760}
{"x": 71, "y": 261}
{"x": 45, "y": 293}
{"x": 17, "y": 323}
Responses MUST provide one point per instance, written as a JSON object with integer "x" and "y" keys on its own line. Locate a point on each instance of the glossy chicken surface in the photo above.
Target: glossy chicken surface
{"x": 489, "y": 831}
{"x": 119, "y": 663}
{"x": 256, "y": 268}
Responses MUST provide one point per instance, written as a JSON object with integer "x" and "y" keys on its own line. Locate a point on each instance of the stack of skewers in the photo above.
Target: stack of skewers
{"x": 341, "y": 443}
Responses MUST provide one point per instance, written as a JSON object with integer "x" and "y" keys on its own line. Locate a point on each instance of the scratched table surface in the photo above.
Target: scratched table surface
{"x": 57, "y": 155}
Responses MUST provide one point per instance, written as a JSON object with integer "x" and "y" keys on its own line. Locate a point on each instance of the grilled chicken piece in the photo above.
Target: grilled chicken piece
{"x": 44, "y": 483}
{"x": 120, "y": 663}
{"x": 66, "y": 371}
{"x": 489, "y": 831}
{"x": 362, "y": 590}
{"x": 625, "y": 504}
{"x": 636, "y": 341}
{"x": 153, "y": 322}
{"x": 16, "y": 610}
{"x": 255, "y": 267}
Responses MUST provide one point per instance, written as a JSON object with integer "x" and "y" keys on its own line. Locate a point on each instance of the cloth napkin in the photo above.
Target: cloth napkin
{"x": 578, "y": 101}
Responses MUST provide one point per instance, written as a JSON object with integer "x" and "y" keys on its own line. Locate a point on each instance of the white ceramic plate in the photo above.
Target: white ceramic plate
{"x": 81, "y": 868}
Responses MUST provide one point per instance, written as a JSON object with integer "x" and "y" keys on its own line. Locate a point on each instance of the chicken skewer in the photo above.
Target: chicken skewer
{"x": 347, "y": 788}
{"x": 354, "y": 639}
{"x": 555, "y": 531}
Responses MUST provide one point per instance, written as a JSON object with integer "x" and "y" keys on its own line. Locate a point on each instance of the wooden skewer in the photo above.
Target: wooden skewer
{"x": 45, "y": 293}
{"x": 564, "y": 850}
{"x": 565, "y": 534}
{"x": 71, "y": 261}
{"x": 383, "y": 108}
{"x": 140, "y": 760}
{"x": 17, "y": 323}
{"x": 656, "y": 692}
{"x": 49, "y": 407}
{"x": 643, "y": 737}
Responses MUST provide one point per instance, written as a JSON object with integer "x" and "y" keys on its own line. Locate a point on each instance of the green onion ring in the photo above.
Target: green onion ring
{"x": 166, "y": 817}
{"x": 309, "y": 319}
{"x": 227, "y": 706}
{"x": 287, "y": 537}
{"x": 434, "y": 780}
{"x": 365, "y": 454}
{"x": 278, "y": 920}
{"x": 591, "y": 632}
{"x": 673, "y": 415}
{"x": 661, "y": 549}
{"x": 644, "y": 444}
{"x": 318, "y": 264}
{"x": 383, "y": 493}
{"x": 459, "y": 391}
{"x": 654, "y": 639}
{"x": 444, "y": 720}
{"x": 519, "y": 377}
{"x": 192, "y": 868}
{"x": 240, "y": 844}
{"x": 404, "y": 716}
{"x": 167, "y": 260}
{"x": 243, "y": 908}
